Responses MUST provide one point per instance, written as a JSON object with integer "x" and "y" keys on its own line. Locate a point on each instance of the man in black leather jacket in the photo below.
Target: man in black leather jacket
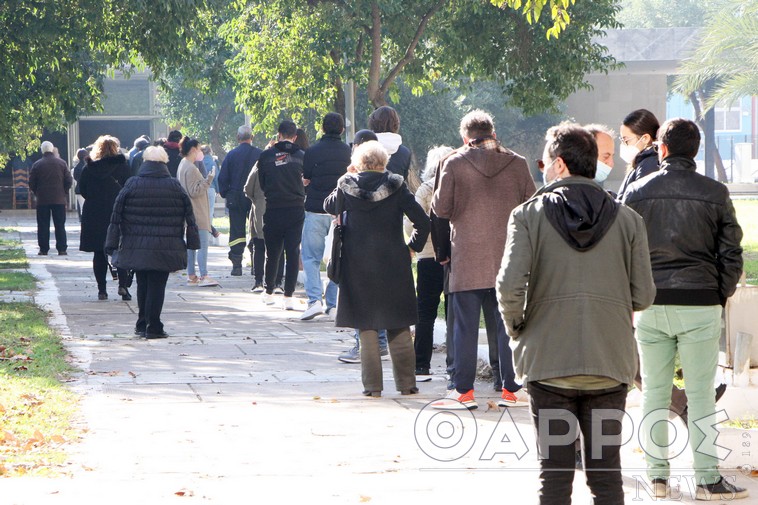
{"x": 695, "y": 253}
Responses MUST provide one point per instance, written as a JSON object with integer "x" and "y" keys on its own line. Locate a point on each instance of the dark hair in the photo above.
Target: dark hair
{"x": 287, "y": 129}
{"x": 681, "y": 137}
{"x": 642, "y": 121}
{"x": 575, "y": 146}
{"x": 362, "y": 136}
{"x": 333, "y": 124}
{"x": 160, "y": 141}
{"x": 174, "y": 136}
{"x": 302, "y": 139}
{"x": 81, "y": 154}
{"x": 186, "y": 145}
{"x": 384, "y": 119}
{"x": 476, "y": 124}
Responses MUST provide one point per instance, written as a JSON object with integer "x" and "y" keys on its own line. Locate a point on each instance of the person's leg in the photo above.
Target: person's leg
{"x": 403, "y": 359}
{"x": 273, "y": 234}
{"x": 156, "y": 293}
{"x": 279, "y": 281}
{"x": 428, "y": 290}
{"x": 59, "y": 221}
{"x": 292, "y": 236}
{"x": 449, "y": 341}
{"x": 698, "y": 332}
{"x": 371, "y": 363}
{"x": 43, "y": 228}
{"x": 142, "y": 282}
{"x": 79, "y": 205}
{"x": 313, "y": 252}
{"x": 237, "y": 237}
{"x": 555, "y": 440}
{"x": 331, "y": 295}
{"x": 602, "y": 457}
{"x": 191, "y": 260}
{"x": 657, "y": 347}
{"x": 202, "y": 253}
{"x": 467, "y": 306}
{"x": 505, "y": 355}
{"x": 100, "y": 269}
{"x": 259, "y": 259}
{"x": 491, "y": 315}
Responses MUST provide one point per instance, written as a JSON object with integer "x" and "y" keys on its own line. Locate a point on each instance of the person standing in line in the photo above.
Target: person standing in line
{"x": 235, "y": 170}
{"x": 135, "y": 159}
{"x": 211, "y": 165}
{"x": 373, "y": 202}
{"x": 171, "y": 147}
{"x": 196, "y": 186}
{"x": 430, "y": 274}
{"x": 280, "y": 174}
{"x": 257, "y": 245}
{"x": 478, "y": 187}
{"x": 385, "y": 122}
{"x": 323, "y": 164}
{"x": 146, "y": 234}
{"x": 102, "y": 179}
{"x": 50, "y": 180}
{"x": 81, "y": 157}
{"x": 606, "y": 148}
{"x": 638, "y": 132}
{"x": 575, "y": 267}
{"x": 696, "y": 256}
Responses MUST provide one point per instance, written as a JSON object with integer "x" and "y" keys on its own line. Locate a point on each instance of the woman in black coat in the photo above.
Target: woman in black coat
{"x": 102, "y": 179}
{"x": 376, "y": 287}
{"x": 146, "y": 234}
{"x": 638, "y": 132}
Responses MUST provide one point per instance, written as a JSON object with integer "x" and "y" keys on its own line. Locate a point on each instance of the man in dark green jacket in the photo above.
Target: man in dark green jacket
{"x": 576, "y": 266}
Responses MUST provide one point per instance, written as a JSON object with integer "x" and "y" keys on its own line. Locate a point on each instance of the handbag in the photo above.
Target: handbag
{"x": 334, "y": 266}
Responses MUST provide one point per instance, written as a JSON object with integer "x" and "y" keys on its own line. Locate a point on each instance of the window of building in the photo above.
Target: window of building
{"x": 728, "y": 118}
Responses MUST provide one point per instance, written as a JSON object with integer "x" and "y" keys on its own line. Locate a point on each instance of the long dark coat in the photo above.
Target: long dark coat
{"x": 100, "y": 184}
{"x": 376, "y": 284}
{"x": 149, "y": 221}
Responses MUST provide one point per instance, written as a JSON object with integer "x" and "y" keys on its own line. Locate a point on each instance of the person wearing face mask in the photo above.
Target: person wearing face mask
{"x": 606, "y": 148}
{"x": 638, "y": 131}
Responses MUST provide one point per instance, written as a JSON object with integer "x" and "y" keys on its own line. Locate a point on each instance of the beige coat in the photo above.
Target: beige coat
{"x": 197, "y": 188}
{"x": 477, "y": 190}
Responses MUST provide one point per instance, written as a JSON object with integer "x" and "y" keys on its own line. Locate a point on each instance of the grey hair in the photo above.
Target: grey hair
{"x": 595, "y": 128}
{"x": 370, "y": 155}
{"x": 244, "y": 132}
{"x": 47, "y": 147}
{"x": 155, "y": 153}
{"x": 476, "y": 124}
{"x": 433, "y": 158}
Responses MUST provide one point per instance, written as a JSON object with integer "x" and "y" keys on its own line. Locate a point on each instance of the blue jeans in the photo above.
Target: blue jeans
{"x": 211, "y": 201}
{"x": 382, "y": 339}
{"x": 466, "y": 307}
{"x": 201, "y": 255}
{"x": 315, "y": 230}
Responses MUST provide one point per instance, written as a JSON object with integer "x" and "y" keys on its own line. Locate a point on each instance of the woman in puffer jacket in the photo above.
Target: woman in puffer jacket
{"x": 146, "y": 234}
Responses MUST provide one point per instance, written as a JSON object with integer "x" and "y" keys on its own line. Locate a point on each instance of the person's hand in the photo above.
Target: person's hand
{"x": 212, "y": 174}
{"x": 445, "y": 261}
{"x": 306, "y": 181}
{"x": 351, "y": 168}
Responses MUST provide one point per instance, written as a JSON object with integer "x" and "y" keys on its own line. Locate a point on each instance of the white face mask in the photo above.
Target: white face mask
{"x": 628, "y": 153}
{"x": 602, "y": 171}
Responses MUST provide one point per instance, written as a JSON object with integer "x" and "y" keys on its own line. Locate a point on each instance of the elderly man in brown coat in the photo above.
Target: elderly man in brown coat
{"x": 478, "y": 186}
{"x": 50, "y": 180}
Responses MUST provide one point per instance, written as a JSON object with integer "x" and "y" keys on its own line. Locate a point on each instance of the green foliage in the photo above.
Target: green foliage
{"x": 747, "y": 216}
{"x": 727, "y": 55}
{"x": 663, "y": 13}
{"x": 532, "y": 10}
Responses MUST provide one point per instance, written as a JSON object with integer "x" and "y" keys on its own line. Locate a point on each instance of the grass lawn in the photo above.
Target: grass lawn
{"x": 747, "y": 215}
{"x": 16, "y": 281}
{"x": 13, "y": 258}
{"x": 36, "y": 411}
{"x": 221, "y": 224}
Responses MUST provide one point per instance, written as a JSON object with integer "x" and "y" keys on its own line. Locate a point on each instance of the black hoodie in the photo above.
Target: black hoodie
{"x": 580, "y": 213}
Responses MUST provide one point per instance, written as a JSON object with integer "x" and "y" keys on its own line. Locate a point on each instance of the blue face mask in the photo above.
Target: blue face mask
{"x": 602, "y": 171}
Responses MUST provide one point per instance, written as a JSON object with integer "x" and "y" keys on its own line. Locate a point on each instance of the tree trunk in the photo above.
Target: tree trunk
{"x": 222, "y": 116}
{"x": 698, "y": 98}
{"x": 374, "y": 94}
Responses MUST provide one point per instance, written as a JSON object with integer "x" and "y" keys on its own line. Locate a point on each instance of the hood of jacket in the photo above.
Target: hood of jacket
{"x": 488, "y": 162}
{"x": 390, "y": 141}
{"x": 286, "y": 146}
{"x": 104, "y": 167}
{"x": 370, "y": 187}
{"x": 153, "y": 169}
{"x": 579, "y": 209}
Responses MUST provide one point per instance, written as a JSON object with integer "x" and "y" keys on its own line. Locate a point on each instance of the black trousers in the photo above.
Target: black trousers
{"x": 429, "y": 284}
{"x": 43, "y": 226}
{"x": 151, "y": 291}
{"x": 557, "y": 457}
{"x": 283, "y": 231}
{"x": 100, "y": 268}
{"x": 238, "y": 230}
{"x": 257, "y": 248}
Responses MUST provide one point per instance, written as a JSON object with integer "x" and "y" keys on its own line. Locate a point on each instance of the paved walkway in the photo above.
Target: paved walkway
{"x": 245, "y": 402}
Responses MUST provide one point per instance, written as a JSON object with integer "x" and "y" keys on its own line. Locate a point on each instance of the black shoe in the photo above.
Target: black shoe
{"x": 102, "y": 295}
{"x": 410, "y": 391}
{"x": 42, "y": 253}
{"x": 278, "y": 289}
{"x": 373, "y": 394}
{"x": 258, "y": 288}
{"x": 62, "y": 253}
{"x": 124, "y": 293}
{"x": 498, "y": 387}
{"x": 420, "y": 370}
{"x": 721, "y": 490}
{"x": 720, "y": 390}
{"x": 139, "y": 333}
{"x": 236, "y": 271}
{"x": 151, "y": 336}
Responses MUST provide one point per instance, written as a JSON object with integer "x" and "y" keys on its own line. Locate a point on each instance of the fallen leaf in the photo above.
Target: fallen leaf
{"x": 20, "y": 357}
{"x": 184, "y": 492}
{"x": 365, "y": 499}
{"x": 58, "y": 439}
{"x": 134, "y": 375}
{"x": 316, "y": 397}
{"x": 2, "y": 409}
{"x": 492, "y": 406}
{"x": 21, "y": 368}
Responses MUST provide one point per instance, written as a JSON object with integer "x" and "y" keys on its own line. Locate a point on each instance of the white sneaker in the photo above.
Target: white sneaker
{"x": 207, "y": 281}
{"x": 518, "y": 399}
{"x": 193, "y": 281}
{"x": 267, "y": 298}
{"x": 330, "y": 314}
{"x": 288, "y": 303}
{"x": 312, "y": 311}
{"x": 456, "y": 401}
